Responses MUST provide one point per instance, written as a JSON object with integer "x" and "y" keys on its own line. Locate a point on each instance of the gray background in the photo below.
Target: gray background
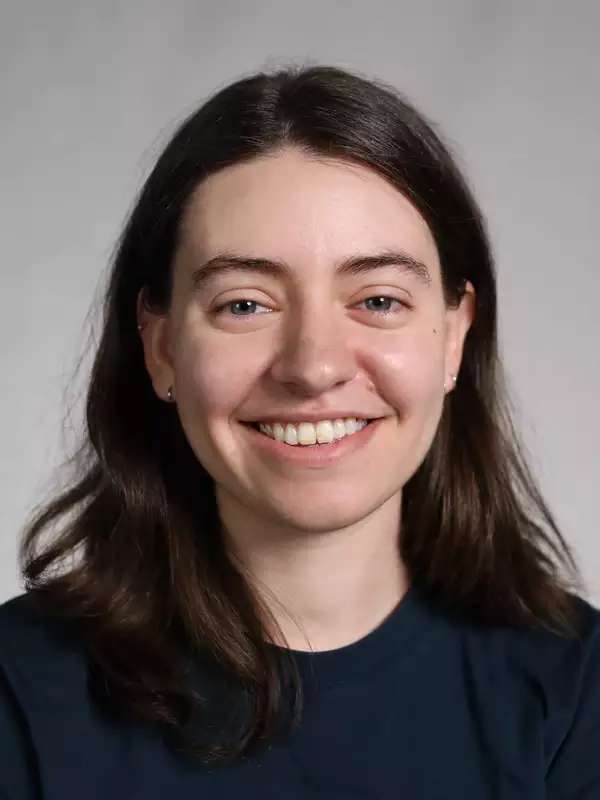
{"x": 90, "y": 92}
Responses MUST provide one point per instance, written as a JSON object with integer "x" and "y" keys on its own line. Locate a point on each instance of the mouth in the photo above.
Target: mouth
{"x": 318, "y": 455}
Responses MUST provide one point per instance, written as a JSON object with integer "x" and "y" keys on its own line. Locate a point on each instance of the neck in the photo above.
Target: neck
{"x": 325, "y": 590}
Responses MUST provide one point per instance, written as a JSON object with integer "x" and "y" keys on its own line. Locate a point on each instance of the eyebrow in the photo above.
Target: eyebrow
{"x": 224, "y": 263}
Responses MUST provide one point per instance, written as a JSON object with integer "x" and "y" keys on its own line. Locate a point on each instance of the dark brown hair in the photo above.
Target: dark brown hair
{"x": 149, "y": 584}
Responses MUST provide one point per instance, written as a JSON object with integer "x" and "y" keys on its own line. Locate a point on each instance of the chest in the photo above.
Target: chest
{"x": 464, "y": 734}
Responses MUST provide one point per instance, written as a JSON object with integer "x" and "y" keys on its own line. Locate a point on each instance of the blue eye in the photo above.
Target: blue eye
{"x": 239, "y": 302}
{"x": 385, "y": 311}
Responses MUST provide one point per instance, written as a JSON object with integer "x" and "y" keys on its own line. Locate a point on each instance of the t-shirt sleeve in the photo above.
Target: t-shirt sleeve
{"x": 575, "y": 771}
{"x": 18, "y": 769}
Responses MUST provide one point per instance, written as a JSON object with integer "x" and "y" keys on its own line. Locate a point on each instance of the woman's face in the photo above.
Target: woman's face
{"x": 304, "y": 340}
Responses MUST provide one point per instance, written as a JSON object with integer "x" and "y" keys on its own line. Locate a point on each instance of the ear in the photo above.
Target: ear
{"x": 458, "y": 322}
{"x": 156, "y": 339}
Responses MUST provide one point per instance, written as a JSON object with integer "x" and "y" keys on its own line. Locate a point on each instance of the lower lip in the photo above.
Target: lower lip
{"x": 314, "y": 455}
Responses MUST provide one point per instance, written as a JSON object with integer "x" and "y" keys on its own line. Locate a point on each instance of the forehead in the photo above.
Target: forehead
{"x": 302, "y": 208}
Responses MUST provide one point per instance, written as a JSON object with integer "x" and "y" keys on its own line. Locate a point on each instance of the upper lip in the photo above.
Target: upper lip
{"x": 310, "y": 416}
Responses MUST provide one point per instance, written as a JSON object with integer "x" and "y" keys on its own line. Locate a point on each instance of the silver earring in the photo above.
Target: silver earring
{"x": 453, "y": 380}
{"x": 170, "y": 394}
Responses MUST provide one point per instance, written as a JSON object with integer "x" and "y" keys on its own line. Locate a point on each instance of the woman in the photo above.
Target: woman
{"x": 302, "y": 555}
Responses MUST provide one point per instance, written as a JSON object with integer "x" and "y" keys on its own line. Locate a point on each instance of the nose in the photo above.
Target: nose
{"x": 315, "y": 356}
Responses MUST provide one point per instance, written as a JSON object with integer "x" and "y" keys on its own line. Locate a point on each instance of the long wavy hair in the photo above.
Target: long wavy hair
{"x": 135, "y": 559}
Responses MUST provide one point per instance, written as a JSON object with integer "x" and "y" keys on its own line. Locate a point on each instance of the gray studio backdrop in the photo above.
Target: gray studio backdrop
{"x": 90, "y": 91}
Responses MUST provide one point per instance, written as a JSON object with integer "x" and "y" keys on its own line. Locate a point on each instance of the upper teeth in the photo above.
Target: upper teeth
{"x": 323, "y": 431}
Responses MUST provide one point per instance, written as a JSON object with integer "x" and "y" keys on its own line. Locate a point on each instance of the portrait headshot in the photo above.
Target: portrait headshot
{"x": 301, "y": 411}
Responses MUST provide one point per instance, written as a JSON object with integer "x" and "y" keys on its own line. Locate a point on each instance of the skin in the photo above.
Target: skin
{"x": 320, "y": 544}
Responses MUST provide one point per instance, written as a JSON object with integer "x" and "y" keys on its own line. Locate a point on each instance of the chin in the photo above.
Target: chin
{"x": 321, "y": 514}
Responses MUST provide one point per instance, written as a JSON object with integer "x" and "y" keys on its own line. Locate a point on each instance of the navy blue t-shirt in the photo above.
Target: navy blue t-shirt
{"x": 424, "y": 706}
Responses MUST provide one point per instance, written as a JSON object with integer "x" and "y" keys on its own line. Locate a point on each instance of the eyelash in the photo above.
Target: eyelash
{"x": 221, "y": 309}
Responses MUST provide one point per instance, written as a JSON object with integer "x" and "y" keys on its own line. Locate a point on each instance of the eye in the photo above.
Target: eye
{"x": 385, "y": 310}
{"x": 239, "y": 302}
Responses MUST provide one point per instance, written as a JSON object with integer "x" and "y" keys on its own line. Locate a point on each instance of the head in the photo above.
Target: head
{"x": 293, "y": 335}
{"x": 306, "y": 172}
{"x": 310, "y": 172}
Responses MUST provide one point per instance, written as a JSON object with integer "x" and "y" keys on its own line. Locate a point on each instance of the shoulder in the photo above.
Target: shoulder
{"x": 42, "y": 673}
{"x": 561, "y": 656}
{"x": 570, "y": 676}
{"x": 549, "y": 681}
{"x": 25, "y": 615}
{"x": 565, "y": 671}
{"x": 540, "y": 649}
{"x": 39, "y": 653}
{"x": 552, "y": 664}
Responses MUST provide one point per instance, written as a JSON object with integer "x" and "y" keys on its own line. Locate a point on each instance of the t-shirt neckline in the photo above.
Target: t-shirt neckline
{"x": 405, "y": 620}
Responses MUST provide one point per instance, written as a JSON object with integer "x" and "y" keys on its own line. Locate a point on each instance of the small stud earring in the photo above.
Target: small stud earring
{"x": 170, "y": 394}
{"x": 453, "y": 380}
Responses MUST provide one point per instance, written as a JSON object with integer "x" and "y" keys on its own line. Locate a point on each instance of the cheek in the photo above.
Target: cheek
{"x": 409, "y": 372}
{"x": 214, "y": 380}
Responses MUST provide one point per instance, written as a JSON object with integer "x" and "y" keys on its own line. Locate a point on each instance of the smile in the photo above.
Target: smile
{"x": 308, "y": 433}
{"x": 317, "y": 455}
